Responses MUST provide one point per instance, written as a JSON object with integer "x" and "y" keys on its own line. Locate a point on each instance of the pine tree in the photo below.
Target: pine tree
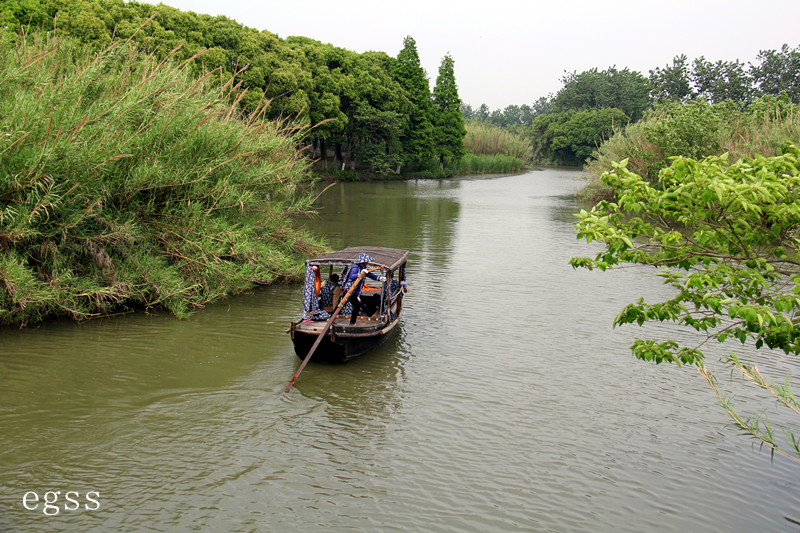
{"x": 418, "y": 135}
{"x": 449, "y": 130}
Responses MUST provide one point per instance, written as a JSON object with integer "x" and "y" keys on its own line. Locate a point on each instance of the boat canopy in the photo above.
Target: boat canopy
{"x": 391, "y": 257}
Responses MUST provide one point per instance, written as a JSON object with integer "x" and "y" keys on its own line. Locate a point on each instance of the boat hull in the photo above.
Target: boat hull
{"x": 341, "y": 343}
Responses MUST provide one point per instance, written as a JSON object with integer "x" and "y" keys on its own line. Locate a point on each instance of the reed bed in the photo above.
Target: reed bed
{"x": 492, "y": 150}
{"x": 770, "y": 124}
{"x": 486, "y": 139}
{"x": 489, "y": 164}
{"x": 126, "y": 182}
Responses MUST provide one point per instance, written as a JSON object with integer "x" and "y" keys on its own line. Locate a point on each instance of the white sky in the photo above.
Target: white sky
{"x": 515, "y": 51}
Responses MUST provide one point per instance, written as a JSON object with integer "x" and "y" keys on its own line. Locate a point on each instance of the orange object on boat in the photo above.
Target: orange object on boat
{"x": 317, "y": 280}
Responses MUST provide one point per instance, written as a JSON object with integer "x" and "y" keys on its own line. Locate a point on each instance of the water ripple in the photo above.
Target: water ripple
{"x": 505, "y": 402}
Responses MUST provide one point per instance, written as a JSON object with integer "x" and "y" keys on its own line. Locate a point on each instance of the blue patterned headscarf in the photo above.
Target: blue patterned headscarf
{"x": 363, "y": 257}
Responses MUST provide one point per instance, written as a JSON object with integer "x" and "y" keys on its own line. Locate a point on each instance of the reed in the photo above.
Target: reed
{"x": 485, "y": 139}
{"x": 127, "y": 182}
{"x": 770, "y": 123}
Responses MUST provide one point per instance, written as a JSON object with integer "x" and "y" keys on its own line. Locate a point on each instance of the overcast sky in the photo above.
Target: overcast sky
{"x": 515, "y": 51}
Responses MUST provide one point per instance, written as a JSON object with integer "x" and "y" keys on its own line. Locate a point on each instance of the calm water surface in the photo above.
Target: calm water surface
{"x": 505, "y": 402}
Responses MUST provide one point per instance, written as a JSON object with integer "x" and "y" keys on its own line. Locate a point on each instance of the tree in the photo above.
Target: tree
{"x": 372, "y": 136}
{"x": 543, "y": 105}
{"x": 727, "y": 237}
{"x": 779, "y": 71}
{"x": 673, "y": 82}
{"x": 417, "y": 136}
{"x": 593, "y": 89}
{"x": 376, "y": 115}
{"x": 324, "y": 63}
{"x": 449, "y": 130}
{"x": 721, "y": 81}
{"x": 586, "y": 130}
{"x": 573, "y": 136}
{"x": 483, "y": 112}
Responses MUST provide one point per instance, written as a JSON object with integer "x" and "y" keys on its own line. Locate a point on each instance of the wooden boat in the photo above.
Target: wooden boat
{"x": 343, "y": 342}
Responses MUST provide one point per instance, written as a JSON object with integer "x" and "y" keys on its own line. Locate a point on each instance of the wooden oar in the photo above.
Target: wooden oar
{"x": 336, "y": 311}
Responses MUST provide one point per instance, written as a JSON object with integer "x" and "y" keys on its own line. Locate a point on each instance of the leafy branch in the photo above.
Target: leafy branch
{"x": 727, "y": 237}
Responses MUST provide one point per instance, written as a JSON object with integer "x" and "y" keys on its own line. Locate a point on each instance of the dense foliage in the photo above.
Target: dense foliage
{"x": 572, "y": 136}
{"x": 727, "y": 236}
{"x": 625, "y": 90}
{"x": 368, "y": 111}
{"x": 698, "y": 129}
{"x": 125, "y": 181}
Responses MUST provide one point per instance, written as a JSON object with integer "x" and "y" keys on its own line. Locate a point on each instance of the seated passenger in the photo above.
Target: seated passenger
{"x": 330, "y": 293}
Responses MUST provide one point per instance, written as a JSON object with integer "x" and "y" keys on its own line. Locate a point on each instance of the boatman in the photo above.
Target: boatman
{"x": 361, "y": 263}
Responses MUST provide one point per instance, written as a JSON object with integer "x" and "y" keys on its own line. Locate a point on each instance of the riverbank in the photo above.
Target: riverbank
{"x": 132, "y": 184}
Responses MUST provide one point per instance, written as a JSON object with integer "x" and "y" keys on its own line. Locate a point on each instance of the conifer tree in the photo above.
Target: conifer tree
{"x": 417, "y": 136}
{"x": 449, "y": 130}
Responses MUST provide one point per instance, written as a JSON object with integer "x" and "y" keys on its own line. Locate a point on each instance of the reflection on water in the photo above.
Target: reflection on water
{"x": 504, "y": 403}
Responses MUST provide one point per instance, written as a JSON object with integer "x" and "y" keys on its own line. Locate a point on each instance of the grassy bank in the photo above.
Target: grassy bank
{"x": 125, "y": 182}
{"x": 492, "y": 150}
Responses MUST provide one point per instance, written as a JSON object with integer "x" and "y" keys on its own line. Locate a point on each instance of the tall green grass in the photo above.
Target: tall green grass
{"x": 492, "y": 150}
{"x": 489, "y": 164}
{"x": 126, "y": 182}
{"x": 769, "y": 123}
{"x": 486, "y": 139}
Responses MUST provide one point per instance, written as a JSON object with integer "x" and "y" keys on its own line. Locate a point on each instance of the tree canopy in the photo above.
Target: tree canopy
{"x": 775, "y": 72}
{"x": 623, "y": 89}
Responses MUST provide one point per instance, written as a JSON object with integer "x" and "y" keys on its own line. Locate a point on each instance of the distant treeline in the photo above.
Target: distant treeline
{"x": 569, "y": 126}
{"x": 376, "y": 114}
{"x": 369, "y": 111}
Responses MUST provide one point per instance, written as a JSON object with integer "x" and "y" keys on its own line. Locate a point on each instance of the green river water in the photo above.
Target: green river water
{"x": 505, "y": 402}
